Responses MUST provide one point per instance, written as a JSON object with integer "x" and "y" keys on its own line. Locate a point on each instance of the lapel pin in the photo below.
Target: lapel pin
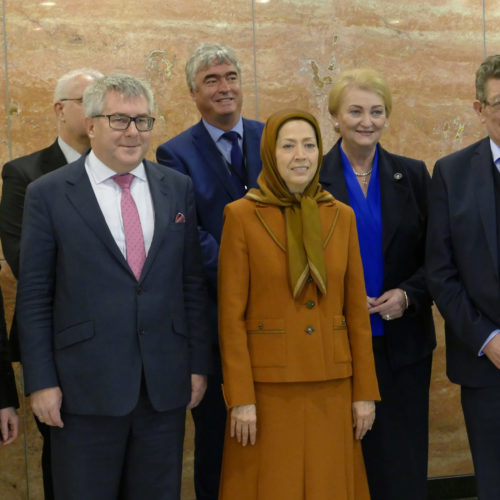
{"x": 398, "y": 176}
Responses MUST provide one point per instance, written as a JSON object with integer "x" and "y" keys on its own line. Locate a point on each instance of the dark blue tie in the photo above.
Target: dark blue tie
{"x": 238, "y": 175}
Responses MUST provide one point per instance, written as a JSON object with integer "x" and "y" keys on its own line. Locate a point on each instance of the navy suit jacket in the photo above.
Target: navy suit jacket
{"x": 404, "y": 186}
{"x": 193, "y": 152}
{"x": 16, "y": 176}
{"x": 462, "y": 260}
{"x": 85, "y": 323}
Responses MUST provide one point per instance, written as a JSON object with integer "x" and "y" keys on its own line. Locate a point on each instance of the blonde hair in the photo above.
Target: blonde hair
{"x": 361, "y": 78}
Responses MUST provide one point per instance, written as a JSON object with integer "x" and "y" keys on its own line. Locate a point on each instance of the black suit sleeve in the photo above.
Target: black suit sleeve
{"x": 8, "y": 392}
{"x": 11, "y": 213}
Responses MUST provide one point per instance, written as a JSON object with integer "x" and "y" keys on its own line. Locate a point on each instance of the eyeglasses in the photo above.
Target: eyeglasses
{"x": 77, "y": 99}
{"x": 495, "y": 106}
{"x": 122, "y": 122}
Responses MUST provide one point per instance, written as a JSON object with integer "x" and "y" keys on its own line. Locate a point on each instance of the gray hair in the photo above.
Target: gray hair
{"x": 65, "y": 82}
{"x": 490, "y": 68}
{"x": 126, "y": 85}
{"x": 204, "y": 56}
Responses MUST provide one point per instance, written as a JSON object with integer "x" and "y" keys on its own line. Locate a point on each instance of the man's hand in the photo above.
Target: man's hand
{"x": 46, "y": 405}
{"x": 363, "y": 416}
{"x": 492, "y": 350}
{"x": 9, "y": 423}
{"x": 244, "y": 424}
{"x": 198, "y": 388}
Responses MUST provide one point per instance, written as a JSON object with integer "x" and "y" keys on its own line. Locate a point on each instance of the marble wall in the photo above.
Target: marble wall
{"x": 291, "y": 51}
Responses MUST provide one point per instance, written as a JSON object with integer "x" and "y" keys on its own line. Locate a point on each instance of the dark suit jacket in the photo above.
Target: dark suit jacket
{"x": 16, "y": 175}
{"x": 85, "y": 323}
{"x": 193, "y": 152}
{"x": 462, "y": 260}
{"x": 404, "y": 218}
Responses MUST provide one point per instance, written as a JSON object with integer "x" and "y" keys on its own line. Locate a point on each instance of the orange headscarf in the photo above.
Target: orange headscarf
{"x": 303, "y": 225}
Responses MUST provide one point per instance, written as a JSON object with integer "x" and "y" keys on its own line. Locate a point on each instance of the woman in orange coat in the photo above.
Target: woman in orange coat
{"x": 299, "y": 376}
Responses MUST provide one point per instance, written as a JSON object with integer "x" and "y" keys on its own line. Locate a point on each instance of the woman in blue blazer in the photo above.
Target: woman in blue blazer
{"x": 389, "y": 196}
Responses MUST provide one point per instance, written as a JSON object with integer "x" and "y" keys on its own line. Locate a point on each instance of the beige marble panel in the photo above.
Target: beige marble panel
{"x": 427, "y": 50}
{"x": 150, "y": 39}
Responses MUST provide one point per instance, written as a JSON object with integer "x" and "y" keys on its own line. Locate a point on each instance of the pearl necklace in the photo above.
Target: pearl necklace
{"x": 363, "y": 174}
{"x": 362, "y": 178}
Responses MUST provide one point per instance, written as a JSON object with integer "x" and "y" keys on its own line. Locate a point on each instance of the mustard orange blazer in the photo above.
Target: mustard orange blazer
{"x": 266, "y": 335}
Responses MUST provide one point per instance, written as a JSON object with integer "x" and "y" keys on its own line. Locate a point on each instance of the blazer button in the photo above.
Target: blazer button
{"x": 310, "y": 304}
{"x": 140, "y": 290}
{"x": 142, "y": 331}
{"x": 261, "y": 326}
{"x": 309, "y": 330}
{"x": 309, "y": 280}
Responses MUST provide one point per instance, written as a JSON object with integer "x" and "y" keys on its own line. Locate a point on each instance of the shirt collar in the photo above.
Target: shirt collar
{"x": 101, "y": 172}
{"x": 216, "y": 133}
{"x": 495, "y": 152}
{"x": 69, "y": 153}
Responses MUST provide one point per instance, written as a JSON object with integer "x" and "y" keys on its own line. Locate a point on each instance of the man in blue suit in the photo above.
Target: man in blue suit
{"x": 111, "y": 304}
{"x": 221, "y": 154}
{"x": 463, "y": 256}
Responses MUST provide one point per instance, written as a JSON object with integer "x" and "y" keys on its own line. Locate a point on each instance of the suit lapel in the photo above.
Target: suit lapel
{"x": 82, "y": 197}
{"x": 212, "y": 158}
{"x": 272, "y": 219}
{"x": 163, "y": 209}
{"x": 332, "y": 175}
{"x": 394, "y": 193}
{"x": 251, "y": 148}
{"x": 481, "y": 164}
{"x": 52, "y": 159}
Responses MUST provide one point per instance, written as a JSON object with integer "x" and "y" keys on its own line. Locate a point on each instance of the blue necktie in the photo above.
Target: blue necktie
{"x": 238, "y": 175}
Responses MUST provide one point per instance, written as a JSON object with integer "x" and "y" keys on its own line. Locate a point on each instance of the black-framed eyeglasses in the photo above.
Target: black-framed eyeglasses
{"x": 77, "y": 99}
{"x": 495, "y": 106}
{"x": 122, "y": 122}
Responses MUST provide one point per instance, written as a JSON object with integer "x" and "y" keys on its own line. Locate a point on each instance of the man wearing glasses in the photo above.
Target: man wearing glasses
{"x": 463, "y": 269}
{"x": 71, "y": 142}
{"x": 111, "y": 306}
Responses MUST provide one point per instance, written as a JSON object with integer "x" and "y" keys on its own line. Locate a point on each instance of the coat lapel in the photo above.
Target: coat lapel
{"x": 251, "y": 138}
{"x": 272, "y": 219}
{"x": 52, "y": 158}
{"x": 332, "y": 175}
{"x": 212, "y": 158}
{"x": 481, "y": 164}
{"x": 82, "y": 197}
{"x": 162, "y": 198}
{"x": 394, "y": 193}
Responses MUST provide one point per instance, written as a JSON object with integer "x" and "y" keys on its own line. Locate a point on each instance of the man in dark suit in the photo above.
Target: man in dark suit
{"x": 463, "y": 254}
{"x": 71, "y": 142}
{"x": 111, "y": 306}
{"x": 221, "y": 154}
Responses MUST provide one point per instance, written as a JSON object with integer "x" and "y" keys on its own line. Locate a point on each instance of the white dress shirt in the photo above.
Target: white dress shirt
{"x": 108, "y": 194}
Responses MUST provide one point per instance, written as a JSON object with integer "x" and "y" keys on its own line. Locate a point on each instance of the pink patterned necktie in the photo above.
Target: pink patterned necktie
{"x": 134, "y": 239}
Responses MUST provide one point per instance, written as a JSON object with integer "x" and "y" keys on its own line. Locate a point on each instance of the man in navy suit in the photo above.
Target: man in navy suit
{"x": 222, "y": 167}
{"x": 71, "y": 142}
{"x": 463, "y": 256}
{"x": 111, "y": 304}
